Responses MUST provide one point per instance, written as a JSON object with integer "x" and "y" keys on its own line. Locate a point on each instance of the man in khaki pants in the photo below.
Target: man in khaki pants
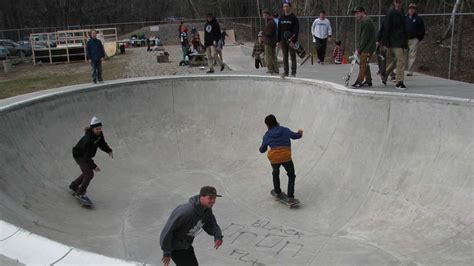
{"x": 416, "y": 32}
{"x": 395, "y": 38}
{"x": 212, "y": 34}
{"x": 365, "y": 47}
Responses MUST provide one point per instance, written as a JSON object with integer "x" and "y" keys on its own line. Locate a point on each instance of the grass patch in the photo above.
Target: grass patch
{"x": 19, "y": 86}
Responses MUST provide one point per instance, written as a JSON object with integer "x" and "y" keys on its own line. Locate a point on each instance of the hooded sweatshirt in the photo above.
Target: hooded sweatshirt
{"x": 87, "y": 146}
{"x": 184, "y": 223}
{"x": 212, "y": 32}
{"x": 278, "y": 138}
{"x": 288, "y": 27}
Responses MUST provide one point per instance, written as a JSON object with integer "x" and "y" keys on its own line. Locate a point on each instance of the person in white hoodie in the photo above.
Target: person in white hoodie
{"x": 321, "y": 31}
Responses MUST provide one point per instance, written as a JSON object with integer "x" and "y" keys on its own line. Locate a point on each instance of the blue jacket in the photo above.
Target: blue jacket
{"x": 278, "y": 137}
{"x": 95, "y": 49}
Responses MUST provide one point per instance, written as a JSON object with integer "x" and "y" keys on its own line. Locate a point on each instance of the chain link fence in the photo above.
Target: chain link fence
{"x": 451, "y": 58}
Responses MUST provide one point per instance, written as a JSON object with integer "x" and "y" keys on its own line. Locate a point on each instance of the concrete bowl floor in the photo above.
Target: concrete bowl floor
{"x": 383, "y": 179}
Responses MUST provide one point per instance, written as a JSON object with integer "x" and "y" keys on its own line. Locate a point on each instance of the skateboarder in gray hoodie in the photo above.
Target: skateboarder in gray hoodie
{"x": 185, "y": 223}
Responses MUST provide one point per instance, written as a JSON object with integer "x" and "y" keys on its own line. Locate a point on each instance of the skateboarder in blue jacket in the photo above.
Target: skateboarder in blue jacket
{"x": 279, "y": 140}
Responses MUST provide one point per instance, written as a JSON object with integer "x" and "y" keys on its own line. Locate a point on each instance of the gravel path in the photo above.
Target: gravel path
{"x": 144, "y": 64}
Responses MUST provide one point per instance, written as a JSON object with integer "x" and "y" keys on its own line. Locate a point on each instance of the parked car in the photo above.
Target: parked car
{"x": 4, "y": 53}
{"x": 28, "y": 44}
{"x": 16, "y": 48}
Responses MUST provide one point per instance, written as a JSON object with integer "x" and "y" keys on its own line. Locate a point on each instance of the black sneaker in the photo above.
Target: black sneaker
{"x": 367, "y": 83}
{"x": 210, "y": 71}
{"x": 293, "y": 75}
{"x": 357, "y": 85}
{"x": 400, "y": 86}
{"x": 384, "y": 79}
{"x": 222, "y": 67}
{"x": 292, "y": 200}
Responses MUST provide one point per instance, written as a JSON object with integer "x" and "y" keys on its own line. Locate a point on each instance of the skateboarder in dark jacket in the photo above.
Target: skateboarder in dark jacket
{"x": 83, "y": 153}
{"x": 279, "y": 140}
{"x": 184, "y": 223}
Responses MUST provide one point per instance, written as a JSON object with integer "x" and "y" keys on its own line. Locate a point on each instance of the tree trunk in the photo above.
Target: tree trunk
{"x": 451, "y": 21}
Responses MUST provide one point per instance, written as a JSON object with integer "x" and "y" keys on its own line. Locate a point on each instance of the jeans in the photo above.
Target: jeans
{"x": 285, "y": 48}
{"x": 382, "y": 52}
{"x": 290, "y": 171}
{"x": 184, "y": 257}
{"x": 96, "y": 70}
{"x": 82, "y": 182}
{"x": 321, "y": 45}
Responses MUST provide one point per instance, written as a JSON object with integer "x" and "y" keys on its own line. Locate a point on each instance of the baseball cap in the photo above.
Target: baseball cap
{"x": 208, "y": 191}
{"x": 412, "y": 6}
{"x": 358, "y": 9}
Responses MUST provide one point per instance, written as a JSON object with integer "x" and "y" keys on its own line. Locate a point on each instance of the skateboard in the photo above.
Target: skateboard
{"x": 300, "y": 51}
{"x": 347, "y": 77}
{"x": 84, "y": 203}
{"x": 284, "y": 199}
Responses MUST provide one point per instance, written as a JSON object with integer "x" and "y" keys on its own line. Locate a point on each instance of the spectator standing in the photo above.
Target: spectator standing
{"x": 365, "y": 47}
{"x": 212, "y": 34}
{"x": 395, "y": 38}
{"x": 415, "y": 27}
{"x": 270, "y": 39}
{"x": 288, "y": 29}
{"x": 321, "y": 31}
{"x": 95, "y": 54}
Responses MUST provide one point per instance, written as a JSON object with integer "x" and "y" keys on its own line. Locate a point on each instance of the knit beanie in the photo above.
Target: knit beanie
{"x": 95, "y": 122}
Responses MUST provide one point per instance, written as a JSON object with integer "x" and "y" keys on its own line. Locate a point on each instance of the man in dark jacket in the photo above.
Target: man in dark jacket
{"x": 212, "y": 34}
{"x": 185, "y": 223}
{"x": 83, "y": 153}
{"x": 95, "y": 54}
{"x": 270, "y": 39}
{"x": 288, "y": 29}
{"x": 278, "y": 138}
{"x": 365, "y": 47}
{"x": 416, "y": 32}
{"x": 395, "y": 38}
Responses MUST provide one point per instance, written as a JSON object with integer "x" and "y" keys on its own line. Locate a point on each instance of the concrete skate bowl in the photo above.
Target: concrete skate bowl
{"x": 384, "y": 179}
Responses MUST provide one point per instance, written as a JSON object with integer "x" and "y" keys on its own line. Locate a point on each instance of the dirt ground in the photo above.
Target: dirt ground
{"x": 136, "y": 62}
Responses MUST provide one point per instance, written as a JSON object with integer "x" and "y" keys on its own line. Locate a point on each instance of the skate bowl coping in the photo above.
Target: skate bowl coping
{"x": 383, "y": 178}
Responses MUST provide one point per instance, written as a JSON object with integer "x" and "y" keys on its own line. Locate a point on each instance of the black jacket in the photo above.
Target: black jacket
{"x": 395, "y": 35}
{"x": 415, "y": 27}
{"x": 212, "y": 32}
{"x": 184, "y": 223}
{"x": 290, "y": 25}
{"x": 87, "y": 146}
{"x": 95, "y": 49}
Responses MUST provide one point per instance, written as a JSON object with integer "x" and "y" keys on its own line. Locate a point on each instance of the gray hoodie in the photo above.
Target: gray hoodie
{"x": 184, "y": 223}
